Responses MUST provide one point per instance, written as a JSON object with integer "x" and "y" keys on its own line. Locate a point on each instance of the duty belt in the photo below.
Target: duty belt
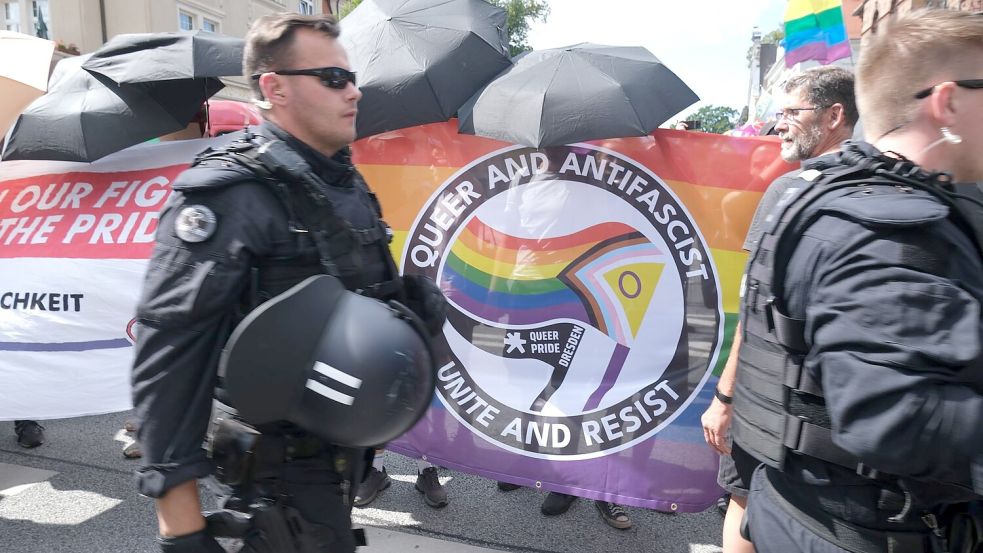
{"x": 851, "y": 537}
{"x": 272, "y": 448}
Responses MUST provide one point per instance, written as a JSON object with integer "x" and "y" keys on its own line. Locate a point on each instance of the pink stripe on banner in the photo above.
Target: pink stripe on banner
{"x": 818, "y": 51}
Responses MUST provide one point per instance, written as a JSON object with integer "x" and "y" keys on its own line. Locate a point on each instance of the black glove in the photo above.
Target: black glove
{"x": 199, "y": 542}
{"x": 425, "y": 299}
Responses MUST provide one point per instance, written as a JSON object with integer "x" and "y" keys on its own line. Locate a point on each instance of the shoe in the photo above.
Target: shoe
{"x": 429, "y": 485}
{"x": 557, "y": 503}
{"x": 369, "y": 489}
{"x": 29, "y": 433}
{"x": 723, "y": 503}
{"x": 613, "y": 514}
{"x": 507, "y": 487}
{"x": 133, "y": 451}
{"x": 130, "y": 425}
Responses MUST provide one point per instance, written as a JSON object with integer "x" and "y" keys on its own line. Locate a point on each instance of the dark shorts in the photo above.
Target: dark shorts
{"x": 774, "y": 530}
{"x": 736, "y": 470}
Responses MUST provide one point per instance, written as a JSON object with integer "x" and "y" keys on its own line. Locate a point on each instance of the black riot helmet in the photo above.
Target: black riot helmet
{"x": 347, "y": 368}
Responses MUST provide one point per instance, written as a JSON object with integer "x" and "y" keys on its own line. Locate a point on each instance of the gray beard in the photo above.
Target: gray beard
{"x": 803, "y": 146}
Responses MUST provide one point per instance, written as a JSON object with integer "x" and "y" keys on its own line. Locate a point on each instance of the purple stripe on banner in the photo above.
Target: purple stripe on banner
{"x": 657, "y": 473}
{"x": 818, "y": 51}
{"x": 66, "y": 346}
{"x": 609, "y": 378}
{"x": 517, "y": 316}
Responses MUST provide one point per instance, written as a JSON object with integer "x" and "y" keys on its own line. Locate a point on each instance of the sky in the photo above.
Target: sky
{"x": 704, "y": 42}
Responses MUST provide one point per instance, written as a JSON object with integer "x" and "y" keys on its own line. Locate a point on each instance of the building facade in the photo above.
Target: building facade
{"x": 873, "y": 13}
{"x": 82, "y": 26}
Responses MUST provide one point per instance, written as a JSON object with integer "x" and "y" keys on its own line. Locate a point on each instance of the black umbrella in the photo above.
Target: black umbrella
{"x": 581, "y": 92}
{"x": 84, "y": 117}
{"x": 418, "y": 61}
{"x": 147, "y": 57}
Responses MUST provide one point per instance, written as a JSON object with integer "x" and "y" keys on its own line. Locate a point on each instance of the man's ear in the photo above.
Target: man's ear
{"x": 837, "y": 116}
{"x": 943, "y": 105}
{"x": 271, "y": 86}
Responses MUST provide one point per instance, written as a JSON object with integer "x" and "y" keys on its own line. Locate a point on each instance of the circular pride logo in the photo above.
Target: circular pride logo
{"x": 584, "y": 308}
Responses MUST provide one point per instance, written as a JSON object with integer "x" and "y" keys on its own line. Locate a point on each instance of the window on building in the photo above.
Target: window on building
{"x": 185, "y": 21}
{"x": 209, "y": 25}
{"x": 11, "y": 16}
{"x": 306, "y": 7}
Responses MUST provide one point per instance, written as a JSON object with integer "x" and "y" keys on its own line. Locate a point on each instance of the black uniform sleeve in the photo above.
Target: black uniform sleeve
{"x": 893, "y": 320}
{"x": 186, "y": 312}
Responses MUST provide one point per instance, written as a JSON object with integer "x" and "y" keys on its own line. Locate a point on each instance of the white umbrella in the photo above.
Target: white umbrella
{"x": 23, "y": 73}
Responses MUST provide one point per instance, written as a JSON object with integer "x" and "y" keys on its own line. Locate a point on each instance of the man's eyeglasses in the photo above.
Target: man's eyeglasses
{"x": 967, "y": 83}
{"x": 331, "y": 77}
{"x": 793, "y": 113}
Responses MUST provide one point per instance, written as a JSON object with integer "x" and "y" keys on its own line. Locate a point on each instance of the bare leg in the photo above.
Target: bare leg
{"x": 733, "y": 542}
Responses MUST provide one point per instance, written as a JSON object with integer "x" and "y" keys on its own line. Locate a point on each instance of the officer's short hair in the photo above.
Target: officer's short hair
{"x": 269, "y": 42}
{"x": 915, "y": 51}
{"x": 825, "y": 86}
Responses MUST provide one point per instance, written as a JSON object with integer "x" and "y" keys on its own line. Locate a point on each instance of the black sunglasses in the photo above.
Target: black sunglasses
{"x": 331, "y": 77}
{"x": 968, "y": 83}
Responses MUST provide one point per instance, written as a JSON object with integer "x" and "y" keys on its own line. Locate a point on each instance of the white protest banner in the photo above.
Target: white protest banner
{"x": 74, "y": 240}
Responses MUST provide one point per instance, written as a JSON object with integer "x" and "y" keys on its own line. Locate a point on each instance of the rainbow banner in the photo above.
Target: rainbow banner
{"x": 593, "y": 292}
{"x": 814, "y": 30}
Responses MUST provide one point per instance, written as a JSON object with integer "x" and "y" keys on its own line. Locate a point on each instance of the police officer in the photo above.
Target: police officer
{"x": 861, "y": 380}
{"x": 237, "y": 232}
{"x": 818, "y": 112}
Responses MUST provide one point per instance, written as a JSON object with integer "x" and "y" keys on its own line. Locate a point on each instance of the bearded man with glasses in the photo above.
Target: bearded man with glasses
{"x": 820, "y": 113}
{"x": 245, "y": 223}
{"x": 860, "y": 387}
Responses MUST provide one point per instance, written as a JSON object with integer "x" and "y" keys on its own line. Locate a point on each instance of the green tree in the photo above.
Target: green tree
{"x": 774, "y": 37}
{"x": 348, "y": 7}
{"x": 520, "y": 14}
{"x": 715, "y": 119}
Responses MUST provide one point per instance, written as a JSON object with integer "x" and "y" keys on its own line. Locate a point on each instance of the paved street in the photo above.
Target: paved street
{"x": 75, "y": 494}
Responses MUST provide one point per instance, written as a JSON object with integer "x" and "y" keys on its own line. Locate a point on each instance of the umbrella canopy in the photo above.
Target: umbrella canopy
{"x": 85, "y": 117}
{"x": 576, "y": 93}
{"x": 147, "y": 57}
{"x": 418, "y": 61}
{"x": 23, "y": 73}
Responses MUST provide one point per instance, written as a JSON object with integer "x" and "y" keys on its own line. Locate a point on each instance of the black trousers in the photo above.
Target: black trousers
{"x": 317, "y": 489}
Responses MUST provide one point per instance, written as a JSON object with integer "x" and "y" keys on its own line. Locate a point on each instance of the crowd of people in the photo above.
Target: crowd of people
{"x": 844, "y": 416}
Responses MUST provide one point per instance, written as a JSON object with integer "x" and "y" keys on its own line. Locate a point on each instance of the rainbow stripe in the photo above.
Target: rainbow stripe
{"x": 721, "y": 196}
{"x": 814, "y": 30}
{"x": 518, "y": 281}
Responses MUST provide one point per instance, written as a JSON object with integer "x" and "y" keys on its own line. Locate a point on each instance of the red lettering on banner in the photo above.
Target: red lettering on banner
{"x": 84, "y": 214}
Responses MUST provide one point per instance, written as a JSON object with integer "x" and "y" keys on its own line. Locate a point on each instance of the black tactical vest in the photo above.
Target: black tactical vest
{"x": 778, "y": 407}
{"x": 327, "y": 243}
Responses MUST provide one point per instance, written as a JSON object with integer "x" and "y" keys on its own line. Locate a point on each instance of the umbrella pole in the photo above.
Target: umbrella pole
{"x": 208, "y": 117}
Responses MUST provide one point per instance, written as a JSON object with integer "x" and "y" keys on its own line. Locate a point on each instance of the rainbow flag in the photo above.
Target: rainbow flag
{"x": 814, "y": 30}
{"x": 514, "y": 280}
{"x": 523, "y": 284}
